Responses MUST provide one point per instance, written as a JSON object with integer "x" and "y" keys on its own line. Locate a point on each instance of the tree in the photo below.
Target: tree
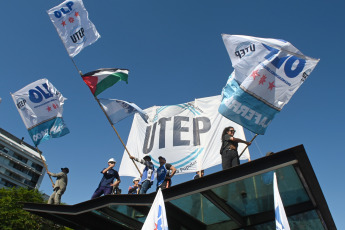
{"x": 12, "y": 215}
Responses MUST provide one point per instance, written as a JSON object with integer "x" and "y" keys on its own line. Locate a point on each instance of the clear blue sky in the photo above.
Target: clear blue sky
{"x": 175, "y": 53}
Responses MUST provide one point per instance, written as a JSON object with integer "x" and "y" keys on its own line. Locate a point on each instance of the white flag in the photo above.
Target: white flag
{"x": 157, "y": 218}
{"x": 281, "y": 219}
{"x": 72, "y": 23}
{"x": 118, "y": 109}
{"x": 188, "y": 135}
{"x": 40, "y": 105}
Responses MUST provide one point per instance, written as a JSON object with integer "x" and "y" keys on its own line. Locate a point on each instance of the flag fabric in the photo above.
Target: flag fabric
{"x": 72, "y": 23}
{"x": 267, "y": 74}
{"x": 281, "y": 219}
{"x": 101, "y": 79}
{"x": 156, "y": 219}
{"x": 188, "y": 135}
{"x": 40, "y": 106}
{"x": 118, "y": 109}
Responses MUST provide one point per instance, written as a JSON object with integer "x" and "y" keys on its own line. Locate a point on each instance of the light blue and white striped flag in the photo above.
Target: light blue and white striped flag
{"x": 281, "y": 219}
{"x": 118, "y": 109}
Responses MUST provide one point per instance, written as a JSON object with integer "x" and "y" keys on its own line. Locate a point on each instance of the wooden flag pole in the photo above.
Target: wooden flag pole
{"x": 45, "y": 165}
{"x": 247, "y": 146}
{"x": 118, "y": 135}
{"x": 105, "y": 113}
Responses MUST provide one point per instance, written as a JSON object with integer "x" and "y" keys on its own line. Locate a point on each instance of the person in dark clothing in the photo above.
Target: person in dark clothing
{"x": 229, "y": 148}
{"x": 199, "y": 174}
{"x": 106, "y": 185}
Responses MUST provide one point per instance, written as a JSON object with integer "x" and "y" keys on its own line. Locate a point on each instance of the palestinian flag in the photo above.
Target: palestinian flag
{"x": 101, "y": 79}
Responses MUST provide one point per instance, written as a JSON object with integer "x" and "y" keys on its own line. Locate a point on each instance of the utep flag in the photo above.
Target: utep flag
{"x": 118, "y": 109}
{"x": 188, "y": 135}
{"x": 281, "y": 219}
{"x": 40, "y": 105}
{"x": 72, "y": 23}
{"x": 267, "y": 73}
{"x": 157, "y": 218}
{"x": 101, "y": 79}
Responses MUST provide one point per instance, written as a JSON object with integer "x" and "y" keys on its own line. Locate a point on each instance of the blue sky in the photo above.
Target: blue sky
{"x": 175, "y": 54}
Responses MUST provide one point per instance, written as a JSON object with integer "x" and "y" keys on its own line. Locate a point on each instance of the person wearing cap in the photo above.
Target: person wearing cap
{"x": 148, "y": 174}
{"x": 134, "y": 189}
{"x": 106, "y": 184}
{"x": 163, "y": 175}
{"x": 60, "y": 185}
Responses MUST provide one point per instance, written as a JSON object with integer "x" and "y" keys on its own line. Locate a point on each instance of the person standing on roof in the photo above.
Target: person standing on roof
{"x": 134, "y": 189}
{"x": 60, "y": 185}
{"x": 106, "y": 184}
{"x": 229, "y": 148}
{"x": 163, "y": 175}
{"x": 148, "y": 173}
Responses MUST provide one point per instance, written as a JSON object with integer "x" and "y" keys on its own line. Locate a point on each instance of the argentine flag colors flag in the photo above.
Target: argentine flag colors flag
{"x": 267, "y": 73}
{"x": 157, "y": 218}
{"x": 281, "y": 219}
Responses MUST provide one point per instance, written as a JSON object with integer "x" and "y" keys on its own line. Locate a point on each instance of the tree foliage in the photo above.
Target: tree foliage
{"x": 12, "y": 215}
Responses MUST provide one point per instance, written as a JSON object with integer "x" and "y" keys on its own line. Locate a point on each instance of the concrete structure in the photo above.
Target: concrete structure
{"x": 239, "y": 198}
{"x": 20, "y": 163}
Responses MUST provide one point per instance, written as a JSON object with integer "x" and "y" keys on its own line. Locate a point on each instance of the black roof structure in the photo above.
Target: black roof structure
{"x": 238, "y": 198}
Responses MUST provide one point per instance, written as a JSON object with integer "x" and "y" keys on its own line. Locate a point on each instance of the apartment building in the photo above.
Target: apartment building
{"x": 20, "y": 163}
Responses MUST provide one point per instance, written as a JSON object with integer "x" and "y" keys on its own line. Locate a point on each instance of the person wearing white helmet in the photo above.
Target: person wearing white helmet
{"x": 107, "y": 183}
{"x": 134, "y": 189}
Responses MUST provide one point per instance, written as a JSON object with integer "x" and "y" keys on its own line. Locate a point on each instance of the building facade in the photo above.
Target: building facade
{"x": 20, "y": 163}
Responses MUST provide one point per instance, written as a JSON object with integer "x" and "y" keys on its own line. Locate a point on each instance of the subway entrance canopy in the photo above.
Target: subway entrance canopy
{"x": 237, "y": 198}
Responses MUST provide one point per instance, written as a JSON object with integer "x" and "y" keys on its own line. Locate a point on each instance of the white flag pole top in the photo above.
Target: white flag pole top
{"x": 72, "y": 23}
{"x": 281, "y": 219}
{"x": 188, "y": 135}
{"x": 40, "y": 106}
{"x": 157, "y": 218}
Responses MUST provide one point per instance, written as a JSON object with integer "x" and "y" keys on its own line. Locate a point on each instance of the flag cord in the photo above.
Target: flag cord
{"x": 118, "y": 135}
{"x": 45, "y": 165}
{"x": 247, "y": 146}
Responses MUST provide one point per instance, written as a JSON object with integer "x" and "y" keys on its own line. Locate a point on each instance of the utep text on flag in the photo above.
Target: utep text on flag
{"x": 118, "y": 109}
{"x": 40, "y": 105}
{"x": 156, "y": 219}
{"x": 72, "y": 23}
{"x": 267, "y": 73}
{"x": 101, "y": 79}
{"x": 281, "y": 219}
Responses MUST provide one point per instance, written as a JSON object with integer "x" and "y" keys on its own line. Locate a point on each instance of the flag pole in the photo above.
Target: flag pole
{"x": 118, "y": 135}
{"x": 247, "y": 146}
{"x": 45, "y": 165}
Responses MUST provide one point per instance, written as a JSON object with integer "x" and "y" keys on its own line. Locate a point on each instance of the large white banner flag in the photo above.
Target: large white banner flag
{"x": 72, "y": 23}
{"x": 267, "y": 74}
{"x": 281, "y": 219}
{"x": 188, "y": 135}
{"x": 40, "y": 105}
{"x": 157, "y": 218}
